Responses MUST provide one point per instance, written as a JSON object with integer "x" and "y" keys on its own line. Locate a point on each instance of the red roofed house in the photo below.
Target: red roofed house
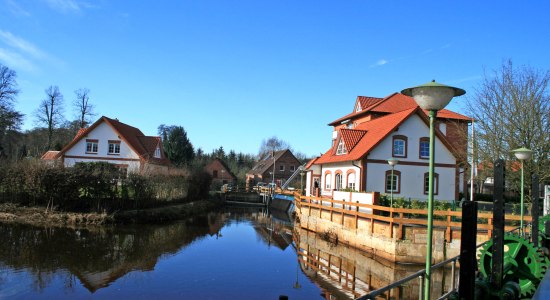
{"x": 382, "y": 128}
{"x": 109, "y": 140}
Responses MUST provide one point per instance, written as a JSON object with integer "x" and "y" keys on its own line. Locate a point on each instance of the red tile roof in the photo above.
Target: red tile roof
{"x": 376, "y": 131}
{"x": 367, "y": 102}
{"x": 50, "y": 155}
{"x": 143, "y": 145}
{"x": 351, "y": 137}
{"x": 391, "y": 104}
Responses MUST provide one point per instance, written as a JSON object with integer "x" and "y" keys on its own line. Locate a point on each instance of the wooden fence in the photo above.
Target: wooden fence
{"x": 401, "y": 217}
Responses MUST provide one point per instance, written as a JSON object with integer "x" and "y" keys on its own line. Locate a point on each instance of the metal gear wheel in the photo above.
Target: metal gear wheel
{"x": 523, "y": 263}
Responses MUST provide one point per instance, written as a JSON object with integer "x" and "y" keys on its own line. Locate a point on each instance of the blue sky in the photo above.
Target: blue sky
{"x": 233, "y": 73}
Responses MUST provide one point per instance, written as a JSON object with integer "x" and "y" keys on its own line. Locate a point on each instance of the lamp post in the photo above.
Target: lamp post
{"x": 392, "y": 162}
{"x": 431, "y": 96}
{"x": 522, "y": 154}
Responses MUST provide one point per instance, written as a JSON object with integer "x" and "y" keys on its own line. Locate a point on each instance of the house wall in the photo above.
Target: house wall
{"x": 103, "y": 133}
{"x": 221, "y": 177}
{"x": 412, "y": 167}
{"x": 343, "y": 168}
{"x": 286, "y": 160}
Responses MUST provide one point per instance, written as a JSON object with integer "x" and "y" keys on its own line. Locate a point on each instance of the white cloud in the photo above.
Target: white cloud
{"x": 15, "y": 9}
{"x": 15, "y": 60}
{"x": 20, "y": 44}
{"x": 465, "y": 79}
{"x": 64, "y": 6}
{"x": 379, "y": 63}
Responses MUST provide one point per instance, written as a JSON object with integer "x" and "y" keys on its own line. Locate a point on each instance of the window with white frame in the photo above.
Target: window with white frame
{"x": 338, "y": 181}
{"x": 114, "y": 147}
{"x": 424, "y": 151}
{"x": 399, "y": 146}
{"x": 351, "y": 181}
{"x": 328, "y": 179}
{"x": 91, "y": 146}
{"x": 427, "y": 183}
{"x": 282, "y": 168}
{"x": 393, "y": 182}
{"x": 341, "y": 148}
{"x": 292, "y": 168}
{"x": 157, "y": 152}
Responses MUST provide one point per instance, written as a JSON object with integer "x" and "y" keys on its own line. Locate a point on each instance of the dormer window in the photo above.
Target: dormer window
{"x": 157, "y": 152}
{"x": 341, "y": 148}
{"x": 358, "y": 109}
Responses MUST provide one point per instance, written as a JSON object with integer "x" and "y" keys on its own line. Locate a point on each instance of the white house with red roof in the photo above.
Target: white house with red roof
{"x": 391, "y": 127}
{"x": 109, "y": 140}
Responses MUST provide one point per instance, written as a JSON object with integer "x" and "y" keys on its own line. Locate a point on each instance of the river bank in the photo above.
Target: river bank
{"x": 38, "y": 216}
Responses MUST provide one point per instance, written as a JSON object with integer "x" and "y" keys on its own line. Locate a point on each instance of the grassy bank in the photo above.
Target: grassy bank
{"x": 38, "y": 216}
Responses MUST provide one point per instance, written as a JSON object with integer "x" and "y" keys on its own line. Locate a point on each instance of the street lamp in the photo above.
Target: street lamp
{"x": 431, "y": 96}
{"x": 392, "y": 162}
{"x": 522, "y": 154}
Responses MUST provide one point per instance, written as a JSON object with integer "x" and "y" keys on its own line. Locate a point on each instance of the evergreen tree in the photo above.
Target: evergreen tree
{"x": 177, "y": 146}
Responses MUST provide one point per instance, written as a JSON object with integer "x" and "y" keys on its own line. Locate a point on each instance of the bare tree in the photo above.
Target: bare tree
{"x": 49, "y": 112}
{"x": 10, "y": 120}
{"x": 272, "y": 144}
{"x": 512, "y": 110}
{"x": 83, "y": 107}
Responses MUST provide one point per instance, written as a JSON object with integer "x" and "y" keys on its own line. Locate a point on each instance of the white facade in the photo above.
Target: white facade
{"x": 412, "y": 168}
{"x": 103, "y": 133}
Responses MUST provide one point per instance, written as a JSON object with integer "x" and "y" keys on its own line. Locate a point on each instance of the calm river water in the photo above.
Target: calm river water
{"x": 235, "y": 254}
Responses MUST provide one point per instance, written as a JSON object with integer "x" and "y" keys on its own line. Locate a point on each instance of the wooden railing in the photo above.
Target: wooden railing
{"x": 401, "y": 217}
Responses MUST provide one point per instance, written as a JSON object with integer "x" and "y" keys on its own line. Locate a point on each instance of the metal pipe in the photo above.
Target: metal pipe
{"x": 453, "y": 266}
{"x": 428, "y": 279}
{"x": 420, "y": 287}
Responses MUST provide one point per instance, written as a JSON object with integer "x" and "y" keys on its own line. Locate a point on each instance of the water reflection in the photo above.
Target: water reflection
{"x": 238, "y": 253}
{"x": 346, "y": 273}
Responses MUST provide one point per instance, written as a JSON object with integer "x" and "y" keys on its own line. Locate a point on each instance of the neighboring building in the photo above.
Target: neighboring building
{"x": 109, "y": 140}
{"x": 285, "y": 165}
{"x": 382, "y": 128}
{"x": 220, "y": 172}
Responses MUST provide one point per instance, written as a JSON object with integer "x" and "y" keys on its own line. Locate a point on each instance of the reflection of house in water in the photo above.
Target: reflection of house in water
{"x": 347, "y": 273}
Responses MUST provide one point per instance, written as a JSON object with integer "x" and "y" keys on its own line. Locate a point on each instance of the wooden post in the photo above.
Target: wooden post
{"x": 391, "y": 222}
{"x": 331, "y": 209}
{"x": 356, "y": 214}
{"x": 498, "y": 228}
{"x": 490, "y": 223}
{"x": 448, "y": 232}
{"x": 400, "y": 232}
{"x": 468, "y": 251}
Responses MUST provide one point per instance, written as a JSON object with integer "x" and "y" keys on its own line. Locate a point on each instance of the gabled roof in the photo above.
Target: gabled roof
{"x": 366, "y": 102}
{"x": 224, "y": 165}
{"x": 266, "y": 162}
{"x": 144, "y": 146}
{"x": 376, "y": 131}
{"x": 351, "y": 137}
{"x": 391, "y": 104}
{"x": 49, "y": 155}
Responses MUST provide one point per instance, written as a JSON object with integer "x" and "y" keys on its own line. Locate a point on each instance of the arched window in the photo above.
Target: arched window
{"x": 351, "y": 181}
{"x": 393, "y": 183}
{"x": 399, "y": 146}
{"x": 338, "y": 181}
{"x": 427, "y": 182}
{"x": 328, "y": 180}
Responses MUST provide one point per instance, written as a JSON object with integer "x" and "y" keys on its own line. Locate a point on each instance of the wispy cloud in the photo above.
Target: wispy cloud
{"x": 379, "y": 63}
{"x": 18, "y": 53}
{"x": 20, "y": 44}
{"x": 65, "y": 6}
{"x": 16, "y": 9}
{"x": 382, "y": 62}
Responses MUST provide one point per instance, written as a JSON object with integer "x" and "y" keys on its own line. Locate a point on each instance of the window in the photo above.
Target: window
{"x": 91, "y": 146}
{"x": 328, "y": 179}
{"x": 341, "y": 148}
{"x": 393, "y": 183}
{"x": 114, "y": 147}
{"x": 282, "y": 168}
{"x": 157, "y": 152}
{"x": 399, "y": 146}
{"x": 215, "y": 174}
{"x": 351, "y": 181}
{"x": 350, "y": 125}
{"x": 292, "y": 168}
{"x": 338, "y": 183}
{"x": 424, "y": 151}
{"x": 427, "y": 182}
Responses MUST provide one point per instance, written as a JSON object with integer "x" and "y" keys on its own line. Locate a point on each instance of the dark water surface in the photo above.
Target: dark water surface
{"x": 234, "y": 254}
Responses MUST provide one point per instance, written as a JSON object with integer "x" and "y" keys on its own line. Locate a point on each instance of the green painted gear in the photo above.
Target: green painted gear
{"x": 523, "y": 262}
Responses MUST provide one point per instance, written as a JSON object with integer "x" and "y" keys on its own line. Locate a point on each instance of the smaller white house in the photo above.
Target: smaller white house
{"x": 382, "y": 128}
{"x": 109, "y": 140}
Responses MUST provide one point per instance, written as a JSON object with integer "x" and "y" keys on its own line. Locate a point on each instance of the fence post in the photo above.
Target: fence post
{"x": 498, "y": 227}
{"x": 448, "y": 231}
{"x": 468, "y": 250}
{"x": 356, "y": 214}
